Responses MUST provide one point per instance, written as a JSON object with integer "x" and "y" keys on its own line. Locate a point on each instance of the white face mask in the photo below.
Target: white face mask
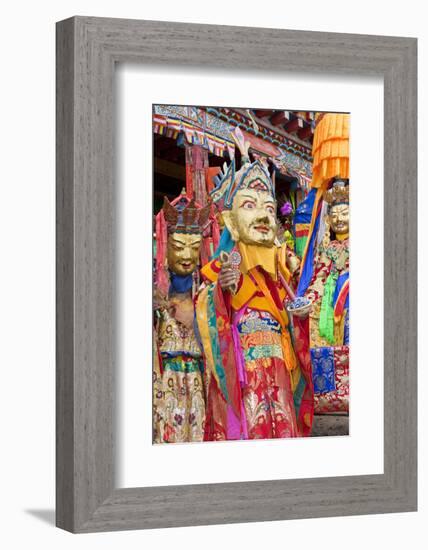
{"x": 252, "y": 219}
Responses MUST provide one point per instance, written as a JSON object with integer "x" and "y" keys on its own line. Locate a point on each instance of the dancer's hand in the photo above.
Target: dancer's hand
{"x": 228, "y": 277}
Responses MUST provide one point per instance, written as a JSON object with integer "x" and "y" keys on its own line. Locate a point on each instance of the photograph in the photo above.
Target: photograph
{"x": 188, "y": 187}
{"x": 251, "y": 263}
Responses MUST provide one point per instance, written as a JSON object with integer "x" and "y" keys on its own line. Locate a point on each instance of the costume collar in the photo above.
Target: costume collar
{"x": 255, "y": 255}
{"x": 342, "y": 237}
{"x": 180, "y": 283}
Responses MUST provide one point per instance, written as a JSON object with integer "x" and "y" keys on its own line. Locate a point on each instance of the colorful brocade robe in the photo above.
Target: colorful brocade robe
{"x": 257, "y": 373}
{"x": 329, "y": 328}
{"x": 178, "y": 393}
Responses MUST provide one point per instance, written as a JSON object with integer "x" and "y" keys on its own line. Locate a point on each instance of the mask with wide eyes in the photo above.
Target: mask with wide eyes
{"x": 252, "y": 219}
{"x": 251, "y": 205}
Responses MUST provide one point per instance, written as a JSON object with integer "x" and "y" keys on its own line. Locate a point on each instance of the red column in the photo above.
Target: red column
{"x": 196, "y": 165}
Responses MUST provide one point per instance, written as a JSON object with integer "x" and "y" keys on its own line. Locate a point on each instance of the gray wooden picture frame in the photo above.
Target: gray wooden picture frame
{"x": 87, "y": 50}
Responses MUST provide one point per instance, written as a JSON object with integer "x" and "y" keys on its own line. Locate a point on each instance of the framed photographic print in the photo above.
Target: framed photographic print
{"x": 217, "y": 189}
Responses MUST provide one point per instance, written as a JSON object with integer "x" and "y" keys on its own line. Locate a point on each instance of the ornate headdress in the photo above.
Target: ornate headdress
{"x": 338, "y": 194}
{"x": 184, "y": 216}
{"x": 250, "y": 176}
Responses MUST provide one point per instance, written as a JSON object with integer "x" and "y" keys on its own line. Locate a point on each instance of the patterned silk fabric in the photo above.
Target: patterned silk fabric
{"x": 335, "y": 256}
{"x": 323, "y": 369}
{"x": 179, "y": 401}
{"x": 267, "y": 395}
{"x": 258, "y": 377}
{"x": 178, "y": 393}
{"x": 330, "y": 362}
{"x": 336, "y": 400}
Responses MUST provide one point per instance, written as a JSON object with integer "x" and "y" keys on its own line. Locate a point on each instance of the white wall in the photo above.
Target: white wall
{"x": 27, "y": 270}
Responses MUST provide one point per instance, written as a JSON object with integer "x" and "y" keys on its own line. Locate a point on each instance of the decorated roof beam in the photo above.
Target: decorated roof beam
{"x": 280, "y": 117}
{"x": 306, "y": 115}
{"x": 278, "y": 132}
{"x": 262, "y": 112}
{"x": 294, "y": 125}
{"x": 187, "y": 123}
{"x": 176, "y": 124}
{"x": 306, "y": 132}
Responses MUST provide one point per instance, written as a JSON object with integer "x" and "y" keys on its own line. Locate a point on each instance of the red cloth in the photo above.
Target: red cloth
{"x": 162, "y": 279}
{"x": 301, "y": 347}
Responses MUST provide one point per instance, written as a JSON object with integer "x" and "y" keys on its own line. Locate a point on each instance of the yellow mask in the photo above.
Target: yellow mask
{"x": 252, "y": 219}
{"x": 183, "y": 252}
{"x": 339, "y": 218}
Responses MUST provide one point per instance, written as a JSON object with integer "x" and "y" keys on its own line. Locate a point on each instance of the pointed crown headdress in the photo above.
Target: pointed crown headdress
{"x": 250, "y": 176}
{"x": 338, "y": 194}
{"x": 185, "y": 216}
